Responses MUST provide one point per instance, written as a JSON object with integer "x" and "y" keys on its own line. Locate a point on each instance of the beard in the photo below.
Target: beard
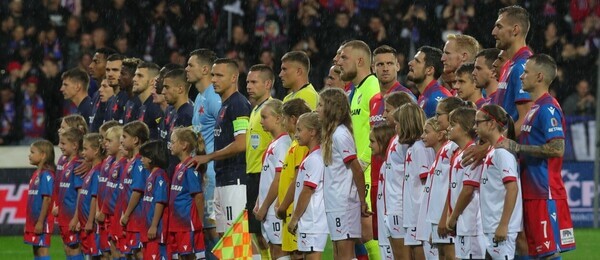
{"x": 415, "y": 79}
{"x": 348, "y": 75}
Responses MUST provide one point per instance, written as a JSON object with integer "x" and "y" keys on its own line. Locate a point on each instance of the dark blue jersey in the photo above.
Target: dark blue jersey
{"x": 151, "y": 114}
{"x": 86, "y": 109}
{"x": 98, "y": 111}
{"x": 132, "y": 109}
{"x": 232, "y": 121}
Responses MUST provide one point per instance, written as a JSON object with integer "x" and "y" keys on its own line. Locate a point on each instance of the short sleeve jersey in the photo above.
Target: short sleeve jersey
{"x": 392, "y": 176}
{"x": 232, "y": 121}
{"x": 433, "y": 93}
{"x": 306, "y": 93}
{"x": 132, "y": 109}
{"x": 68, "y": 185}
{"x": 418, "y": 160}
{"x": 86, "y": 110}
{"x": 182, "y": 209}
{"x": 206, "y": 111}
{"x": 439, "y": 183}
{"x": 152, "y": 115}
{"x": 41, "y": 185}
{"x": 103, "y": 178}
{"x": 181, "y": 116}
{"x": 257, "y": 140}
{"x": 469, "y": 222}
{"x": 499, "y": 167}
{"x": 292, "y": 161}
{"x": 310, "y": 174}
{"x": 98, "y": 110}
{"x": 89, "y": 190}
{"x": 133, "y": 178}
{"x": 510, "y": 89}
{"x": 360, "y": 113}
{"x": 156, "y": 191}
{"x": 541, "y": 177}
{"x": 113, "y": 187}
{"x": 272, "y": 163}
{"x": 341, "y": 194}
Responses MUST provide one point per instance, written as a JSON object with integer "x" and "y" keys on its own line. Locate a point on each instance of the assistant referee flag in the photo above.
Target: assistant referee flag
{"x": 235, "y": 243}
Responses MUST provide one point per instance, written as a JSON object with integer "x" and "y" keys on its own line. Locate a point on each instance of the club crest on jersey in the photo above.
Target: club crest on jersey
{"x": 37, "y": 180}
{"x": 554, "y": 122}
{"x": 67, "y": 173}
{"x": 149, "y": 186}
{"x": 358, "y": 99}
{"x": 179, "y": 176}
{"x": 129, "y": 169}
{"x": 106, "y": 167}
{"x": 115, "y": 174}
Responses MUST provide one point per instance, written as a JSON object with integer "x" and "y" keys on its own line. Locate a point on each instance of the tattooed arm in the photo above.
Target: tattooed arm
{"x": 554, "y": 148}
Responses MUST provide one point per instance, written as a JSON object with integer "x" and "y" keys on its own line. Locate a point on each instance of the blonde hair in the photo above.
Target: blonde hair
{"x": 95, "y": 141}
{"x": 411, "y": 119}
{"x": 73, "y": 135}
{"x": 467, "y": 44}
{"x": 47, "y": 149}
{"x": 115, "y": 131}
{"x": 275, "y": 107}
{"x": 193, "y": 139}
{"x": 107, "y": 125}
{"x": 76, "y": 121}
{"x": 336, "y": 111}
{"x": 434, "y": 123}
{"x": 311, "y": 121}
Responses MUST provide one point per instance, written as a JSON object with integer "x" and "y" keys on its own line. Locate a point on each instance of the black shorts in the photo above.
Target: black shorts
{"x": 252, "y": 187}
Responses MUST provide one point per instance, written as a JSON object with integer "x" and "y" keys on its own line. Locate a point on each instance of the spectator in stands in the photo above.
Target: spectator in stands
{"x": 34, "y": 112}
{"x": 582, "y": 102}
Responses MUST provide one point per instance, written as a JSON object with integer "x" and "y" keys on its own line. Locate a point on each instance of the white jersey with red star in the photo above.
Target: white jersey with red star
{"x": 469, "y": 222}
{"x": 418, "y": 160}
{"x": 391, "y": 179}
{"x": 310, "y": 174}
{"x": 272, "y": 164}
{"x": 500, "y": 167}
{"x": 439, "y": 183}
{"x": 341, "y": 193}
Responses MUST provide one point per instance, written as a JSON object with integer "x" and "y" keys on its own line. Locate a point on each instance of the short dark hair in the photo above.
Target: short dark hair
{"x": 546, "y": 64}
{"x": 156, "y": 151}
{"x": 161, "y": 75}
{"x": 384, "y": 49}
{"x": 130, "y": 64}
{"x": 433, "y": 58}
{"x": 518, "y": 15}
{"x": 299, "y": 57}
{"x": 152, "y": 68}
{"x": 229, "y": 62}
{"x": 106, "y": 51}
{"x": 490, "y": 55}
{"x": 115, "y": 57}
{"x": 77, "y": 75}
{"x": 265, "y": 70}
{"x": 205, "y": 56}
{"x": 178, "y": 75}
{"x": 465, "y": 68}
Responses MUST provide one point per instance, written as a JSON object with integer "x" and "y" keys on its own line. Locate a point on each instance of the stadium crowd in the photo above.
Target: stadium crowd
{"x": 170, "y": 127}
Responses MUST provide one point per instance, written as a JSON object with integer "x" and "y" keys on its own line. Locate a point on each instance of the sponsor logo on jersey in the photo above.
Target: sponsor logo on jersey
{"x": 567, "y": 236}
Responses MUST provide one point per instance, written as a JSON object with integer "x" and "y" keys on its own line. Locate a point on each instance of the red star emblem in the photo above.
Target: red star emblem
{"x": 381, "y": 178}
{"x": 270, "y": 151}
{"x": 128, "y": 115}
{"x": 201, "y": 110}
{"x": 408, "y": 158}
{"x": 489, "y": 162}
{"x": 444, "y": 154}
{"x": 302, "y": 167}
{"x": 458, "y": 166}
{"x": 393, "y": 148}
{"x": 114, "y": 108}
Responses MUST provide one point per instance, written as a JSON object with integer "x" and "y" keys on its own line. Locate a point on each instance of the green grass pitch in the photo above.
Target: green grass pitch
{"x": 12, "y": 247}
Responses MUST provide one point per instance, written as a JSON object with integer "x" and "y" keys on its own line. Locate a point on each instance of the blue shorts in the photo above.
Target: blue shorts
{"x": 209, "y": 198}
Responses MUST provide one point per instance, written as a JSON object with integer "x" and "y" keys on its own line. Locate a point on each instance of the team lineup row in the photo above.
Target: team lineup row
{"x": 427, "y": 181}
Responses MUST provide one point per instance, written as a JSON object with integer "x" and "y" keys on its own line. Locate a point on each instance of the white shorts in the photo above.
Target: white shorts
{"x": 393, "y": 224}
{"x": 410, "y": 237}
{"x": 271, "y": 229}
{"x": 436, "y": 239}
{"x": 382, "y": 230}
{"x": 385, "y": 251}
{"x": 344, "y": 224}
{"x": 423, "y": 229}
{"x": 470, "y": 247}
{"x": 502, "y": 250}
{"x": 431, "y": 252}
{"x": 308, "y": 242}
{"x": 230, "y": 201}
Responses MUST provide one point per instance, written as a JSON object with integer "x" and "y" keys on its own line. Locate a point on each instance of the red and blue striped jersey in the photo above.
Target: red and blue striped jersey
{"x": 40, "y": 186}
{"x": 89, "y": 189}
{"x": 113, "y": 190}
{"x": 183, "y": 216}
{"x": 433, "y": 93}
{"x": 103, "y": 178}
{"x": 510, "y": 90}
{"x": 540, "y": 177}
{"x": 68, "y": 184}
{"x": 133, "y": 178}
{"x": 157, "y": 191}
